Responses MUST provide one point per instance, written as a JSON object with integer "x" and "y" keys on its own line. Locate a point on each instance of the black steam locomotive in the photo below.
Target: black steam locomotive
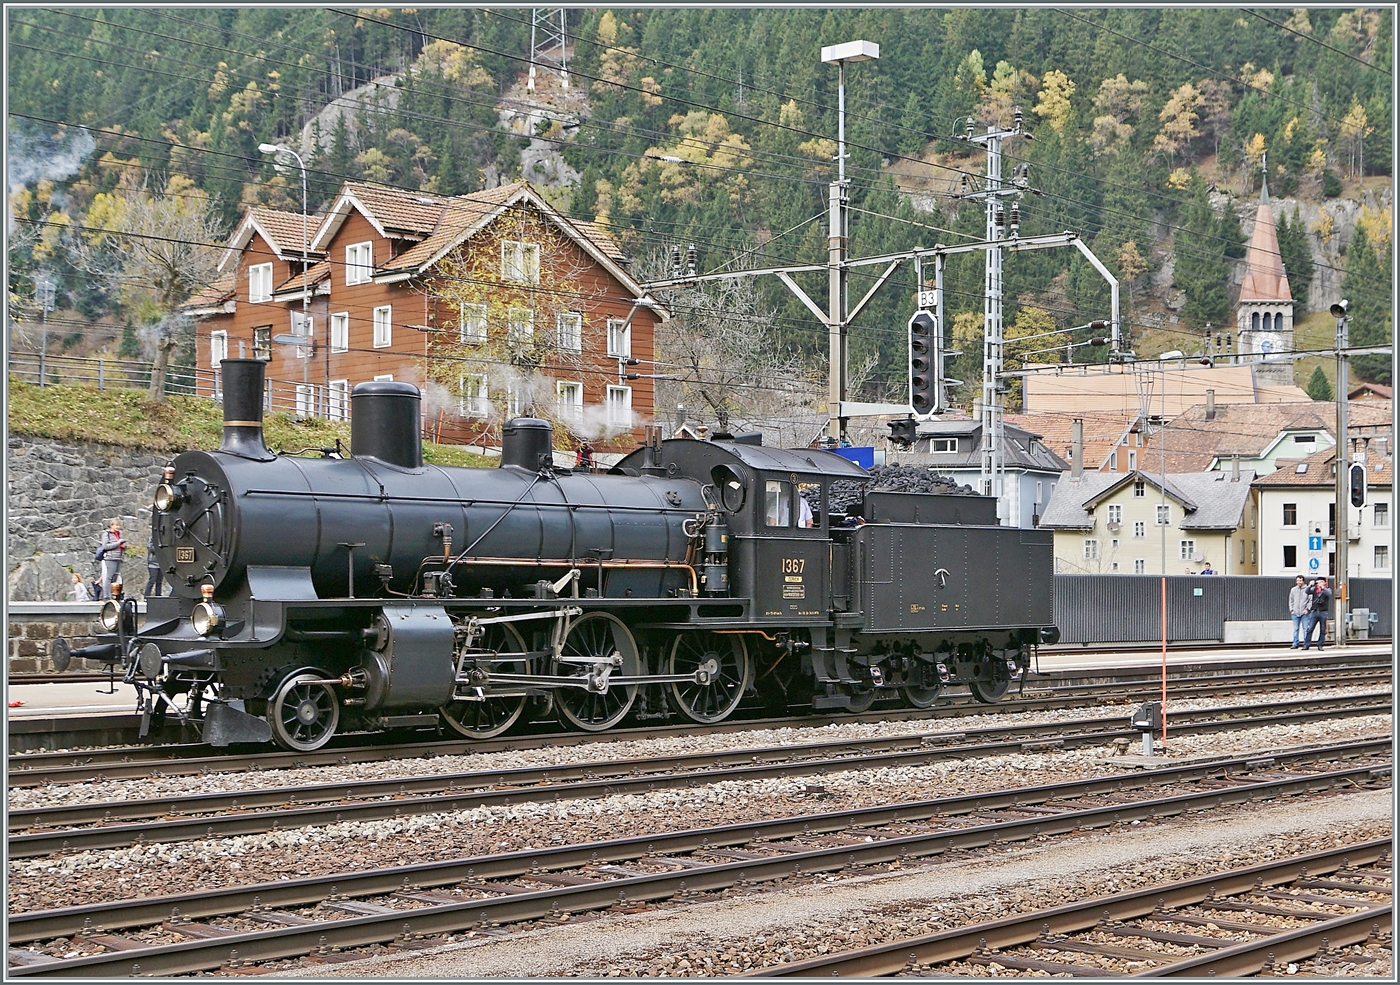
{"x": 371, "y": 591}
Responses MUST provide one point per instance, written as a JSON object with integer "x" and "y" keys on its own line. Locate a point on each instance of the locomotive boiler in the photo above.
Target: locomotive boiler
{"x": 367, "y": 590}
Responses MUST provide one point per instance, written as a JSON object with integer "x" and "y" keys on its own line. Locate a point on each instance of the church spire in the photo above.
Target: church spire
{"x": 1264, "y": 190}
{"x": 1264, "y": 276}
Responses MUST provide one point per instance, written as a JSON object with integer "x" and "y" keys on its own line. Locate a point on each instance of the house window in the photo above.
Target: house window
{"x": 1113, "y": 544}
{"x": 1382, "y": 515}
{"x": 943, "y": 444}
{"x": 777, "y": 503}
{"x": 570, "y": 327}
{"x": 619, "y": 338}
{"x": 1188, "y": 548}
{"x": 1113, "y": 460}
{"x": 515, "y": 399}
{"x": 1137, "y": 438}
{"x": 620, "y": 406}
{"x": 1113, "y": 566}
{"x": 1132, "y": 460}
{"x": 1253, "y": 551}
{"x": 1091, "y": 549}
{"x": 302, "y": 325}
{"x": 383, "y": 326}
{"x": 1139, "y": 566}
{"x": 520, "y": 325}
{"x": 520, "y": 262}
{"x": 340, "y": 332}
{"x": 1115, "y": 513}
{"x": 471, "y": 324}
{"x": 306, "y": 400}
{"x": 218, "y": 348}
{"x": 1241, "y": 550}
{"x": 338, "y": 400}
{"x": 260, "y": 283}
{"x": 1139, "y": 489}
{"x": 1382, "y": 560}
{"x": 1164, "y": 515}
{"x": 384, "y": 378}
{"x": 1305, "y": 439}
{"x": 262, "y": 342}
{"x": 1290, "y": 555}
{"x": 471, "y": 396}
{"x": 1290, "y": 514}
{"x": 1139, "y": 528}
{"x": 359, "y": 263}
{"x": 570, "y": 400}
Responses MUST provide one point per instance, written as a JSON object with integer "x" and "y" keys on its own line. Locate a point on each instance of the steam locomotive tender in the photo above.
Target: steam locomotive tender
{"x": 317, "y": 595}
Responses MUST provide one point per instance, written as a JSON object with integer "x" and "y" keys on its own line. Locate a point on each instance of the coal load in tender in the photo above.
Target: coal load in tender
{"x": 846, "y": 494}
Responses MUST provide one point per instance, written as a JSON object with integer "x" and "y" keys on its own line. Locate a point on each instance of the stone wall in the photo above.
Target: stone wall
{"x": 60, "y": 497}
{"x": 30, "y": 634}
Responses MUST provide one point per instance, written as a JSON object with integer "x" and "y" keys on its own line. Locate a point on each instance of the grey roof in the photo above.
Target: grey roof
{"x": 1024, "y": 449}
{"x": 1212, "y": 501}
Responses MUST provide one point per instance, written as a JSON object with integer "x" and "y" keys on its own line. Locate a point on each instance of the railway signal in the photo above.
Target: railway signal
{"x": 925, "y": 364}
{"x": 1357, "y": 479}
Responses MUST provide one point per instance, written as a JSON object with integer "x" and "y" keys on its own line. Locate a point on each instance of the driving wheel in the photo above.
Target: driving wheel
{"x": 725, "y": 659}
{"x": 596, "y": 635}
{"x": 991, "y": 683}
{"x": 303, "y": 712}
{"x": 490, "y": 717}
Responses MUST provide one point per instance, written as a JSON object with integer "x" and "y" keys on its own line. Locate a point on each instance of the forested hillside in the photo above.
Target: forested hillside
{"x": 1151, "y": 131}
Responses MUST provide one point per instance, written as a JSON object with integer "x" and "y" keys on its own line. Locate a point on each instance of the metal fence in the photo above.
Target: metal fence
{"x": 288, "y": 396}
{"x": 1128, "y": 608}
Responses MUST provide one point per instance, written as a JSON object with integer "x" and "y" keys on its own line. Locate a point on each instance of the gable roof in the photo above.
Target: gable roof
{"x": 1318, "y": 474}
{"x": 394, "y": 213}
{"x": 1211, "y": 500}
{"x": 318, "y": 277}
{"x": 1370, "y": 391}
{"x": 1103, "y": 432}
{"x": 213, "y": 299}
{"x": 280, "y": 230}
{"x": 1024, "y": 449}
{"x": 1248, "y": 430}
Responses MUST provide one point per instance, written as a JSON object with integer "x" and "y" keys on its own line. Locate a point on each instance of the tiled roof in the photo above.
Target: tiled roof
{"x": 397, "y": 210}
{"x": 213, "y": 294}
{"x": 1116, "y": 389}
{"x": 1024, "y": 449}
{"x": 316, "y": 273}
{"x": 1370, "y": 390}
{"x": 285, "y": 228}
{"x": 1101, "y": 432}
{"x": 1379, "y": 472}
{"x": 1264, "y": 278}
{"x": 601, "y": 238}
{"x": 1192, "y": 442}
{"x": 1214, "y": 501}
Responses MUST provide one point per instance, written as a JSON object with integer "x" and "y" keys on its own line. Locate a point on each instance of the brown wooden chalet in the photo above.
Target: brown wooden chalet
{"x": 494, "y": 303}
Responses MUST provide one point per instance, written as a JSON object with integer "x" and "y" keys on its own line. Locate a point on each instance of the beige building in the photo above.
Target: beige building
{"x": 1175, "y": 385}
{"x": 1114, "y": 523}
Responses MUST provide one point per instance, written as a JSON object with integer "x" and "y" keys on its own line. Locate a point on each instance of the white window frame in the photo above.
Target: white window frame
{"x": 942, "y": 446}
{"x": 471, "y": 324}
{"x": 384, "y": 378}
{"x": 262, "y": 348}
{"x": 1139, "y": 489}
{"x": 569, "y": 398}
{"x": 1286, "y": 508}
{"x": 1380, "y": 557}
{"x": 1139, "y": 528}
{"x": 338, "y": 400}
{"x": 619, "y": 406}
{"x": 303, "y": 325}
{"x": 1163, "y": 513}
{"x": 619, "y": 338}
{"x": 1132, "y": 460}
{"x": 1140, "y": 566}
{"x": 259, "y": 283}
{"x": 515, "y": 404}
{"x": 340, "y": 331}
{"x": 1091, "y": 549}
{"x": 473, "y": 395}
{"x": 306, "y": 399}
{"x": 383, "y": 326}
{"x": 520, "y": 326}
{"x": 569, "y": 326}
{"x": 1380, "y": 515}
{"x": 359, "y": 263}
{"x": 1188, "y": 548}
{"x": 1115, "y": 512}
{"x": 520, "y": 262}
{"x": 218, "y": 347}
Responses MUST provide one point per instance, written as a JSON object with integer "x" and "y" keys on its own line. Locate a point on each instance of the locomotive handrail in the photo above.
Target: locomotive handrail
{"x": 472, "y": 502}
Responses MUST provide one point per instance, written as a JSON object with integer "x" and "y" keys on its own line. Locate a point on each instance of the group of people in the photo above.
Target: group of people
{"x": 1309, "y": 604}
{"x": 111, "y": 547}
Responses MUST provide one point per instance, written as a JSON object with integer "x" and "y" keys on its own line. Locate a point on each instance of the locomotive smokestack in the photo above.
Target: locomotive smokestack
{"x": 385, "y": 423}
{"x": 527, "y": 442}
{"x": 243, "y": 409}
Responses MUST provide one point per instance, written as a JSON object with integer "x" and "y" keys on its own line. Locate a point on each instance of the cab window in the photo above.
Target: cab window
{"x": 777, "y": 503}
{"x": 809, "y": 501}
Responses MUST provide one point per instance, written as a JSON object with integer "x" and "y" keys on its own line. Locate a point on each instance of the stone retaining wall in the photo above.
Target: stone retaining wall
{"x": 60, "y": 497}
{"x": 32, "y": 629}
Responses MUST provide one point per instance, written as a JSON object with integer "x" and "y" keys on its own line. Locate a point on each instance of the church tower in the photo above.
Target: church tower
{"x": 1264, "y": 320}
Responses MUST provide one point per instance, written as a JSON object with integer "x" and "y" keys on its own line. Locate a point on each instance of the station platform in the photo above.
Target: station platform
{"x": 1063, "y": 657}
{"x": 85, "y": 697}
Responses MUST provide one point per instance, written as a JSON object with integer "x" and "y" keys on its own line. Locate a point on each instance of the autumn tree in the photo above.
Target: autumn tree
{"x": 156, "y": 248}
{"x": 1179, "y": 116}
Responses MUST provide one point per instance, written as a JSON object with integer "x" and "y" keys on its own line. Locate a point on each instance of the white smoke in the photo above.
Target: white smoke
{"x": 33, "y": 156}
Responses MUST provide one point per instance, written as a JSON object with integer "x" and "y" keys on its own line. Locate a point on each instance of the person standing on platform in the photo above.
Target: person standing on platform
{"x": 1299, "y": 605}
{"x": 1207, "y": 570}
{"x": 78, "y": 591}
{"x": 1321, "y": 604}
{"x": 109, "y": 556}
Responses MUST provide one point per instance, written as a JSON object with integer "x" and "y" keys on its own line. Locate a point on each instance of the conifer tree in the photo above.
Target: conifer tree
{"x": 1319, "y": 387}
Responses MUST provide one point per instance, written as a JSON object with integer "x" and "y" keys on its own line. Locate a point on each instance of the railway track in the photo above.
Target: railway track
{"x": 121, "y": 823}
{"x": 1214, "y": 925}
{"x": 127, "y": 762}
{"x": 414, "y": 906}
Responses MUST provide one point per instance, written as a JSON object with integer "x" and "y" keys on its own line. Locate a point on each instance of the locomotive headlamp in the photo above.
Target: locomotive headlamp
{"x": 208, "y": 615}
{"x": 167, "y": 497}
{"x": 109, "y": 615}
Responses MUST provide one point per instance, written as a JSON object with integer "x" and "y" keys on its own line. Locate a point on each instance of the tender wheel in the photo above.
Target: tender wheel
{"x": 991, "y": 683}
{"x": 303, "y": 712}
{"x": 597, "y": 634}
{"x": 861, "y": 698}
{"x": 923, "y": 687}
{"x": 485, "y": 719}
{"x": 726, "y": 658}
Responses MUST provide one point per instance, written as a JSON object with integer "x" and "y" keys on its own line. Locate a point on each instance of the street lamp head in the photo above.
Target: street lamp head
{"x": 851, "y": 51}
{"x": 273, "y": 149}
{"x": 1339, "y": 310}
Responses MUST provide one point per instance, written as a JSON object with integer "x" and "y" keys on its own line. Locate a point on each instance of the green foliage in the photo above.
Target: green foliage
{"x": 1293, "y": 247}
{"x": 1202, "y": 266}
{"x": 1319, "y": 386}
{"x": 1368, "y": 287}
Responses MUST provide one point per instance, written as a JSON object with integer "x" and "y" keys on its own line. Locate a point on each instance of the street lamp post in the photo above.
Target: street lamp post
{"x": 46, "y": 295}
{"x": 305, "y": 275}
